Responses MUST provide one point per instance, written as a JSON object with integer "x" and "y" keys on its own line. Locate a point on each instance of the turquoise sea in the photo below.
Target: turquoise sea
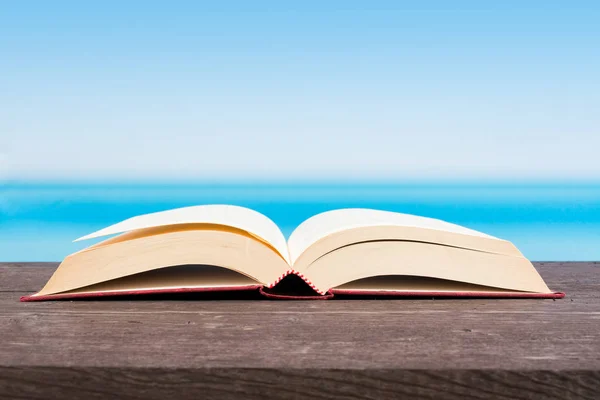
{"x": 547, "y": 221}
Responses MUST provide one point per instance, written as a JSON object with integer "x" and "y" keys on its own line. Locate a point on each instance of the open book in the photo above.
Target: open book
{"x": 341, "y": 252}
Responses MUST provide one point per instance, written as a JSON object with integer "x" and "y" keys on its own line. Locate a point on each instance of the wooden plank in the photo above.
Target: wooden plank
{"x": 42, "y": 383}
{"x": 25, "y": 277}
{"x": 371, "y": 334}
{"x": 287, "y": 349}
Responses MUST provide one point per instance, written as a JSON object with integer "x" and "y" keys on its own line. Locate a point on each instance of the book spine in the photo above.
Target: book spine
{"x": 268, "y": 295}
{"x": 301, "y": 276}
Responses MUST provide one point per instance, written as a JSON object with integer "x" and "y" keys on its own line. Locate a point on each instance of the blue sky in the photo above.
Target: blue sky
{"x": 310, "y": 89}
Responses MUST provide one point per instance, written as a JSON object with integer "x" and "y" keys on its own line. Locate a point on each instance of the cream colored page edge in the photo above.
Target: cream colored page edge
{"x": 234, "y": 216}
{"x": 330, "y": 222}
{"x": 231, "y": 251}
{"x": 407, "y": 283}
{"x": 383, "y": 233}
{"x": 366, "y": 260}
{"x": 168, "y": 278}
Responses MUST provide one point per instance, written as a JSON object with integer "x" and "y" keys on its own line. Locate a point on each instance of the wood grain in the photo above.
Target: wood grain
{"x": 185, "y": 348}
{"x": 264, "y": 384}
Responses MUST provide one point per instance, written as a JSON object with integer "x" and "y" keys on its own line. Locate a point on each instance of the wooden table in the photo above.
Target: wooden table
{"x": 451, "y": 349}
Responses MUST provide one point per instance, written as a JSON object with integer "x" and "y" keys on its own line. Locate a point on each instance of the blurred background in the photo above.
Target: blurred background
{"x": 485, "y": 115}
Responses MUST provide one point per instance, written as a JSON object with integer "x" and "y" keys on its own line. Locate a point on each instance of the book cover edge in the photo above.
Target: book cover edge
{"x": 68, "y": 296}
{"x": 328, "y": 295}
{"x": 390, "y": 293}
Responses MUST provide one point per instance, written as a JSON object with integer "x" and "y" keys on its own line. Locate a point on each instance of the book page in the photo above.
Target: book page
{"x": 406, "y": 258}
{"x": 242, "y": 218}
{"x": 240, "y": 253}
{"x": 178, "y": 277}
{"x": 330, "y": 222}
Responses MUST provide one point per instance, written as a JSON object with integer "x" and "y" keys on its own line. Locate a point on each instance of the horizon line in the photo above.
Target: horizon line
{"x": 330, "y": 181}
